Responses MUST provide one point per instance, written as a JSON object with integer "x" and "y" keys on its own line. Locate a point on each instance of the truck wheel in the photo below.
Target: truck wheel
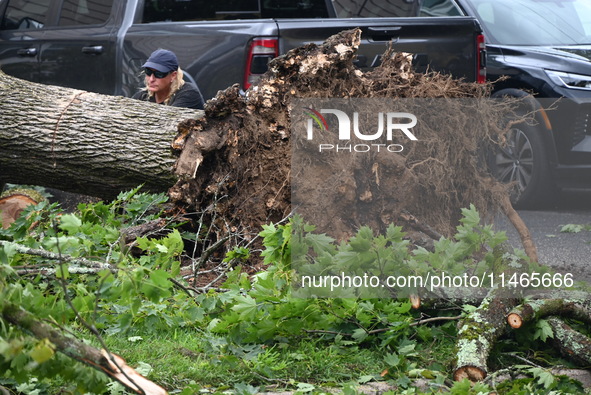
{"x": 523, "y": 162}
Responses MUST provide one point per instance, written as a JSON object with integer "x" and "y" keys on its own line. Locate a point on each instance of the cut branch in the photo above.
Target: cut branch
{"x": 572, "y": 344}
{"x": 112, "y": 365}
{"x": 477, "y": 335}
{"x": 56, "y": 257}
{"x": 536, "y": 309}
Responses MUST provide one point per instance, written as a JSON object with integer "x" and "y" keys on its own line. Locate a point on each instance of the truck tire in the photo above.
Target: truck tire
{"x": 524, "y": 160}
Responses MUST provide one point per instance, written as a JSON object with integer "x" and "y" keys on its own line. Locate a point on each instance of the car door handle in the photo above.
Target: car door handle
{"x": 27, "y": 52}
{"x": 384, "y": 33}
{"x": 93, "y": 50}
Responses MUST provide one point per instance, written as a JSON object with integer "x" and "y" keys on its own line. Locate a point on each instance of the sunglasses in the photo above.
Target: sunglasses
{"x": 157, "y": 74}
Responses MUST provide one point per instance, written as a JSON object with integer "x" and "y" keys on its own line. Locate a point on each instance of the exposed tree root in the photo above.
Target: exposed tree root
{"x": 520, "y": 227}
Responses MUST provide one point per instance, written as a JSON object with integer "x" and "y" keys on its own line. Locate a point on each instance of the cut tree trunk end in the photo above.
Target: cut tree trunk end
{"x": 14, "y": 201}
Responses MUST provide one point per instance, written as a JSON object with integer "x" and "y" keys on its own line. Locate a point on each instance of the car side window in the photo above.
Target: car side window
{"x": 439, "y": 8}
{"x": 25, "y": 14}
{"x": 85, "y": 12}
{"x": 201, "y": 10}
{"x": 369, "y": 9}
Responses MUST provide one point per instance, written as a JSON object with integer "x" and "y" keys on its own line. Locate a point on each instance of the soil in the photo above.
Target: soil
{"x": 246, "y": 177}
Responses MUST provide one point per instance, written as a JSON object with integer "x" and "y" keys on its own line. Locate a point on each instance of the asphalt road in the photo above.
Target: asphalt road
{"x": 566, "y": 252}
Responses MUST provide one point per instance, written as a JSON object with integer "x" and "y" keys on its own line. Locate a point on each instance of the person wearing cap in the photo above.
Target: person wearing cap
{"x": 165, "y": 83}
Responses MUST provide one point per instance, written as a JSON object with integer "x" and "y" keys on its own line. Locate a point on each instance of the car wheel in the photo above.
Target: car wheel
{"x": 522, "y": 162}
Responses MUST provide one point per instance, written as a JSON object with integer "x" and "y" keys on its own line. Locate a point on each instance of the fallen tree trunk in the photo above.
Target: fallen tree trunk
{"x": 85, "y": 142}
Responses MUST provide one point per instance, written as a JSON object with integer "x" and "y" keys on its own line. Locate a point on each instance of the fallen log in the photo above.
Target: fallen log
{"x": 85, "y": 142}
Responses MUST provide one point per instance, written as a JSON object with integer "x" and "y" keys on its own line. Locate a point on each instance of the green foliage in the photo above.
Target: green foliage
{"x": 575, "y": 228}
{"x": 385, "y": 266}
{"x": 262, "y": 329}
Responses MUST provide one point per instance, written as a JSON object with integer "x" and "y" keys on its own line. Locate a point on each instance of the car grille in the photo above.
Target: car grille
{"x": 581, "y": 126}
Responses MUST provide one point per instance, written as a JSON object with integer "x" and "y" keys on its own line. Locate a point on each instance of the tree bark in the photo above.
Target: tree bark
{"x": 478, "y": 333}
{"x": 572, "y": 344}
{"x": 85, "y": 142}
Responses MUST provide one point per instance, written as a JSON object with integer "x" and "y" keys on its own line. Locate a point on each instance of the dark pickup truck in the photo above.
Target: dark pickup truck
{"x": 100, "y": 45}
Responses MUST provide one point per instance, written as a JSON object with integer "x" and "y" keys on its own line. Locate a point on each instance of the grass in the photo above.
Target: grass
{"x": 186, "y": 356}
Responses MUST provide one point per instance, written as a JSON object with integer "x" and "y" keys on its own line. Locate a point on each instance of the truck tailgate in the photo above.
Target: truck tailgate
{"x": 447, "y": 45}
{"x": 212, "y": 53}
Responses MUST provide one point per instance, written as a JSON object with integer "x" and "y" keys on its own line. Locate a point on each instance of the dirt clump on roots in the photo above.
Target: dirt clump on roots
{"x": 241, "y": 161}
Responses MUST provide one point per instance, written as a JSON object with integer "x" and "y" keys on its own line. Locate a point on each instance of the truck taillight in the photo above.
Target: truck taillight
{"x": 481, "y": 59}
{"x": 260, "y": 53}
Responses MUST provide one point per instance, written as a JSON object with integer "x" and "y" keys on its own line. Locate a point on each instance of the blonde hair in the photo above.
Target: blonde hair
{"x": 176, "y": 84}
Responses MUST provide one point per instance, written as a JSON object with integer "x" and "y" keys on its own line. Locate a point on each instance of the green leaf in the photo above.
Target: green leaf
{"x": 571, "y": 228}
{"x": 320, "y": 242}
{"x": 392, "y": 359}
{"x": 471, "y": 217}
{"x": 70, "y": 223}
{"x": 543, "y": 330}
{"x": 43, "y": 351}
{"x": 174, "y": 242}
{"x": 365, "y": 379}
{"x": 246, "y": 307}
{"x": 160, "y": 278}
{"x": 305, "y": 387}
{"x": 544, "y": 377}
{"x": 144, "y": 368}
{"x": 359, "y": 334}
{"x": 407, "y": 349}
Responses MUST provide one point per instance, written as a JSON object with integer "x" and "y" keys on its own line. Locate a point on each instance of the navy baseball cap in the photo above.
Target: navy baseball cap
{"x": 162, "y": 60}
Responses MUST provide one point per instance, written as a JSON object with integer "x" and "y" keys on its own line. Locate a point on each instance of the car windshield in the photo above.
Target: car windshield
{"x": 535, "y": 22}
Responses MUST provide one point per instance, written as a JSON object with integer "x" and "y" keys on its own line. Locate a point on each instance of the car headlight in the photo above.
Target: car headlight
{"x": 570, "y": 80}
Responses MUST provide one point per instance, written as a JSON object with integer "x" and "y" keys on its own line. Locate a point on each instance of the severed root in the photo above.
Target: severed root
{"x": 535, "y": 309}
{"x": 521, "y": 228}
{"x": 478, "y": 333}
